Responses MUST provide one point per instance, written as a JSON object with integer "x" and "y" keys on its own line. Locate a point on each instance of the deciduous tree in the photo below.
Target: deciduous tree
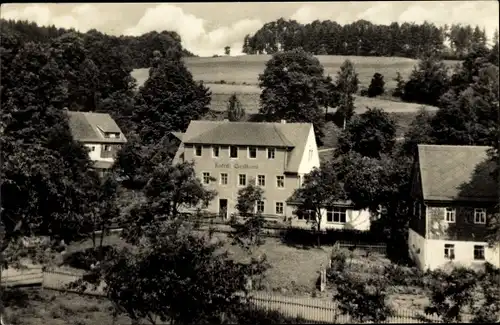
{"x": 347, "y": 85}
{"x": 168, "y": 101}
{"x": 292, "y": 89}
{"x": 170, "y": 190}
{"x": 192, "y": 281}
{"x": 44, "y": 170}
{"x": 321, "y": 188}
{"x": 451, "y": 293}
{"x": 235, "y": 110}
{"x": 372, "y": 183}
{"x": 471, "y": 116}
{"x": 419, "y": 132}
{"x": 363, "y": 300}
{"x": 369, "y": 134}
{"x": 427, "y": 82}
{"x": 249, "y": 233}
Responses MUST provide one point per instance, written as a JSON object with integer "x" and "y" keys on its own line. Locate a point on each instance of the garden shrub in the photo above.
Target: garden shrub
{"x": 364, "y": 299}
{"x": 403, "y": 276}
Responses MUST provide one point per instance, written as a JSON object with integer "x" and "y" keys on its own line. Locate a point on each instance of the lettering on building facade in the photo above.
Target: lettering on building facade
{"x": 236, "y": 166}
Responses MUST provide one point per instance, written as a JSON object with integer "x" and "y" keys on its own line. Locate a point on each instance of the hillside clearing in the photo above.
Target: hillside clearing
{"x": 246, "y": 69}
{"x": 249, "y": 97}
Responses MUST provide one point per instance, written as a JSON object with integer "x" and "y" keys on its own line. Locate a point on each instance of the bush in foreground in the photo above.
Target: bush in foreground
{"x": 252, "y": 316}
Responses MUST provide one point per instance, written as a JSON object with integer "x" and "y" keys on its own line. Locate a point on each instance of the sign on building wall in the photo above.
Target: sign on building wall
{"x": 236, "y": 166}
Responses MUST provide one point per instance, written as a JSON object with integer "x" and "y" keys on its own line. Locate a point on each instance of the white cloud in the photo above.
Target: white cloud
{"x": 82, "y": 17}
{"x": 199, "y": 39}
{"x": 37, "y": 13}
{"x": 195, "y": 37}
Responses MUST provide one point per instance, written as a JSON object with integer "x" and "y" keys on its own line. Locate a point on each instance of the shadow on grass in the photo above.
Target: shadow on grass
{"x": 19, "y": 297}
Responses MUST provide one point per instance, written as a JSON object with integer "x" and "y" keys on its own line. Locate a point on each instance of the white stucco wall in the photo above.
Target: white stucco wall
{"x": 307, "y": 165}
{"x": 428, "y": 254}
{"x": 464, "y": 254}
{"x": 355, "y": 219}
{"x": 416, "y": 247}
{"x": 96, "y": 153}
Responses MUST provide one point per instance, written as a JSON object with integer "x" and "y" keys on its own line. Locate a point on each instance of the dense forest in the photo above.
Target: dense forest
{"x": 363, "y": 38}
{"x": 139, "y": 50}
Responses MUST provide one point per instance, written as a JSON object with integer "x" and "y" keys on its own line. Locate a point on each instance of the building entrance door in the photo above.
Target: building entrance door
{"x": 223, "y": 208}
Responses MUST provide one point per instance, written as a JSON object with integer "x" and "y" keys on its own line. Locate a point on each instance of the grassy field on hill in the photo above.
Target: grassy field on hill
{"x": 249, "y": 97}
{"x": 240, "y": 75}
{"x": 246, "y": 69}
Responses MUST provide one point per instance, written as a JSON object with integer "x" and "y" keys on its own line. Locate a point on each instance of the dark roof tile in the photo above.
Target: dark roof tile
{"x": 456, "y": 173}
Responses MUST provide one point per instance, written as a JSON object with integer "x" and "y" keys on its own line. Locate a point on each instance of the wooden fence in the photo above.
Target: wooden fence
{"x": 314, "y": 310}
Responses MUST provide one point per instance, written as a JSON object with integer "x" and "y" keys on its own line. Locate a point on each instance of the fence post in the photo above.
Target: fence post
{"x": 322, "y": 277}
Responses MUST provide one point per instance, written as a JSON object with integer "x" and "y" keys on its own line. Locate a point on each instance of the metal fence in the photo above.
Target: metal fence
{"x": 313, "y": 310}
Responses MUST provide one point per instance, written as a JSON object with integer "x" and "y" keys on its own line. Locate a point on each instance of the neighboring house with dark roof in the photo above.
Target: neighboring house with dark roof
{"x": 454, "y": 194}
{"x": 274, "y": 155}
{"x": 100, "y": 134}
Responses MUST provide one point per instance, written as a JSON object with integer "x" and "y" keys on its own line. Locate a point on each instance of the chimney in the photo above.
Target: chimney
{"x": 283, "y": 121}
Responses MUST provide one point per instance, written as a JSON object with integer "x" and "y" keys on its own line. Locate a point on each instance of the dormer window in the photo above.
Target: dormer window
{"x": 111, "y": 135}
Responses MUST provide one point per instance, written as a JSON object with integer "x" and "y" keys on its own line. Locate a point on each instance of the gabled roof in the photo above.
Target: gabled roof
{"x": 178, "y": 135}
{"x": 242, "y": 133}
{"x": 459, "y": 173}
{"x": 90, "y": 127}
{"x": 292, "y": 136}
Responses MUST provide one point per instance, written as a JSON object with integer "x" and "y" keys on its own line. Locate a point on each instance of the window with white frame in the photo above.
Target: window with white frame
{"x": 215, "y": 151}
{"x": 449, "y": 215}
{"x": 280, "y": 181}
{"x": 206, "y": 178}
{"x": 242, "y": 180}
{"x": 197, "y": 151}
{"x": 310, "y": 154}
{"x": 224, "y": 178}
{"x": 480, "y": 216}
{"x": 92, "y": 148}
{"x": 260, "y": 206}
{"x": 279, "y": 208}
{"x": 252, "y": 152}
{"x": 305, "y": 215}
{"x": 336, "y": 214}
{"x": 261, "y": 180}
{"x": 107, "y": 147}
{"x": 449, "y": 251}
{"x": 271, "y": 153}
{"x": 479, "y": 252}
{"x": 233, "y": 152}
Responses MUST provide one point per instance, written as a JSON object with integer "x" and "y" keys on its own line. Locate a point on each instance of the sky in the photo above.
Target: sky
{"x": 206, "y": 28}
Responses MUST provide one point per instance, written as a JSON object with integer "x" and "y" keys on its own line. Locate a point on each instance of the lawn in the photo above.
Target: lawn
{"x": 246, "y": 69}
{"x": 294, "y": 270}
{"x": 51, "y": 307}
